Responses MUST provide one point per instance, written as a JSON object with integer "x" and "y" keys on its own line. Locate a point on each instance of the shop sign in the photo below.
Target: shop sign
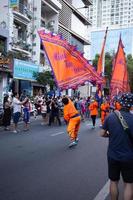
{"x": 13, "y": 3}
{"x": 4, "y": 64}
{"x": 4, "y": 61}
{"x": 24, "y": 70}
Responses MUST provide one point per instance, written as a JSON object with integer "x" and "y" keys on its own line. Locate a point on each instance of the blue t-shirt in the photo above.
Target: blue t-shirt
{"x": 120, "y": 147}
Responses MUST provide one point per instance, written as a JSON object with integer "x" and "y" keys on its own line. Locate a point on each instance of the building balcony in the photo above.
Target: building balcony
{"x": 77, "y": 13}
{"x": 54, "y": 3}
{"x": 76, "y": 35}
{"x": 22, "y": 46}
{"x": 23, "y": 12}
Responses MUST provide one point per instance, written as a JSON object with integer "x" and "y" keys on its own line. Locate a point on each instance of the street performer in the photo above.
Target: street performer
{"x": 72, "y": 118}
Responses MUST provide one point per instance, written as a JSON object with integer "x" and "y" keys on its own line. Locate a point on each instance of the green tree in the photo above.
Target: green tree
{"x": 46, "y": 79}
{"x": 95, "y": 61}
{"x": 130, "y": 70}
{"x": 108, "y": 64}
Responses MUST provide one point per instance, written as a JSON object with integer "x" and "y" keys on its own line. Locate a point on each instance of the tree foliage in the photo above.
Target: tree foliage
{"x": 109, "y": 63}
{"x": 130, "y": 70}
{"x": 46, "y": 79}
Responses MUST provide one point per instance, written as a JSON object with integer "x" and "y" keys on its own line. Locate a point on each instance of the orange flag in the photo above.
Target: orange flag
{"x": 120, "y": 81}
{"x": 100, "y": 60}
{"x": 69, "y": 67}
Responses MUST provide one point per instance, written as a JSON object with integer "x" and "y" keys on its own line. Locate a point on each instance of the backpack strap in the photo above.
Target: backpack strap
{"x": 122, "y": 120}
{"x": 124, "y": 125}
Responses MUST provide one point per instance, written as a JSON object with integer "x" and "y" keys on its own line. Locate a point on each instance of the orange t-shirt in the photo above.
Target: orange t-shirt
{"x": 105, "y": 107}
{"x": 69, "y": 110}
{"x": 93, "y": 108}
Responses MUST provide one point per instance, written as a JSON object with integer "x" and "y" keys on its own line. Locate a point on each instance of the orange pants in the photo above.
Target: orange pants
{"x": 73, "y": 127}
{"x": 103, "y": 115}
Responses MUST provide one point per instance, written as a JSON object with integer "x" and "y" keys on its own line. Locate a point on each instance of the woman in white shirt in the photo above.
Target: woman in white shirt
{"x": 16, "y": 110}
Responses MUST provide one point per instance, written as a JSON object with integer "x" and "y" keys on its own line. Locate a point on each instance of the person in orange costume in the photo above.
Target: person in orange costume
{"x": 93, "y": 111}
{"x": 72, "y": 118}
{"x": 104, "y": 110}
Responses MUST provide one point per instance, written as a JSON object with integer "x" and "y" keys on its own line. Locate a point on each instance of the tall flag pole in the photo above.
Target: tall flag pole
{"x": 100, "y": 69}
{"x": 100, "y": 66}
{"x": 120, "y": 80}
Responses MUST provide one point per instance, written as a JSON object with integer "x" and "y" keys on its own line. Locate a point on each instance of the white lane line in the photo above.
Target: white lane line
{"x": 55, "y": 134}
{"x": 104, "y": 192}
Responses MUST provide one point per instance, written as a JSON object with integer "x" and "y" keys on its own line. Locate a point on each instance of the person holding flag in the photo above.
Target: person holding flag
{"x": 72, "y": 118}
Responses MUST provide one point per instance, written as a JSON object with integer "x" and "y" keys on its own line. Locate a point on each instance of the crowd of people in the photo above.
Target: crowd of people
{"x": 51, "y": 109}
{"x": 116, "y": 124}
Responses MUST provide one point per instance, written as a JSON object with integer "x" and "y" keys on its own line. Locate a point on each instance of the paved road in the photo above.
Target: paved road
{"x": 38, "y": 165}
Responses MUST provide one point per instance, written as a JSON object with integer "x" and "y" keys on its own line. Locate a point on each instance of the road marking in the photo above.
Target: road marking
{"x": 98, "y": 125}
{"x": 55, "y": 134}
{"x": 104, "y": 192}
{"x": 89, "y": 124}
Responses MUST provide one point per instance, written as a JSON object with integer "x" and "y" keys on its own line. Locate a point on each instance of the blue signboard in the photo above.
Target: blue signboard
{"x": 24, "y": 70}
{"x": 13, "y": 3}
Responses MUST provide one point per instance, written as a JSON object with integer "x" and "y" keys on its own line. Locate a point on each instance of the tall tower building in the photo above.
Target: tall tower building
{"x": 112, "y": 13}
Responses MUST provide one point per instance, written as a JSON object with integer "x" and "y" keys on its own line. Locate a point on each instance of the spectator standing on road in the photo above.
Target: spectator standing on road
{"x": 44, "y": 111}
{"x": 17, "y": 110}
{"x": 23, "y": 95}
{"x": 93, "y": 108}
{"x": 120, "y": 149}
{"x": 54, "y": 112}
{"x": 7, "y": 113}
{"x": 26, "y": 113}
{"x": 72, "y": 118}
{"x": 83, "y": 108}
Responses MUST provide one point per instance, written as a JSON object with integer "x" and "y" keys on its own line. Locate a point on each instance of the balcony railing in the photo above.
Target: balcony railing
{"x": 22, "y": 44}
{"x": 23, "y": 9}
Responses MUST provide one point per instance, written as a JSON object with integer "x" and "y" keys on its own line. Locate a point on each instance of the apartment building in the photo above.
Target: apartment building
{"x": 21, "y": 21}
{"x": 60, "y": 16}
{"x": 46, "y": 14}
{"x": 117, "y": 15}
{"x": 112, "y": 13}
{"x": 74, "y": 26}
{"x": 15, "y": 38}
{"x": 66, "y": 17}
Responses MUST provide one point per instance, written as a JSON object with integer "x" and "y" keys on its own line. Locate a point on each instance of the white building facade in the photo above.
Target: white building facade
{"x": 112, "y": 13}
{"x": 21, "y": 20}
{"x": 46, "y": 15}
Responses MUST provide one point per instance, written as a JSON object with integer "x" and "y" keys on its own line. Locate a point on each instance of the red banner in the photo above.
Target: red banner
{"x": 120, "y": 81}
{"x": 69, "y": 66}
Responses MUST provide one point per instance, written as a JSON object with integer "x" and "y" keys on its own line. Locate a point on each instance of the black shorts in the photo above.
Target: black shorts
{"x": 125, "y": 168}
